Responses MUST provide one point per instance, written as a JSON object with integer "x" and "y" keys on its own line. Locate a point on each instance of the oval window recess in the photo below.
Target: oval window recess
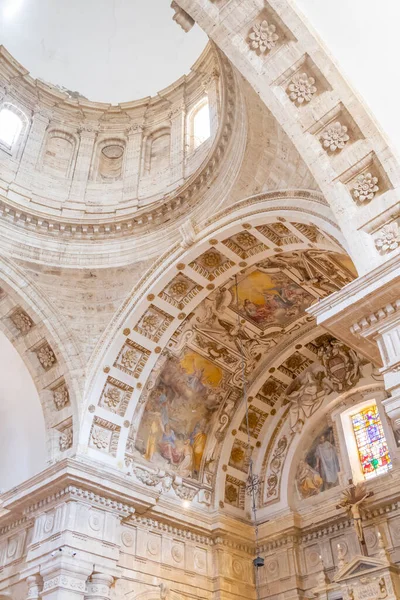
{"x": 113, "y": 151}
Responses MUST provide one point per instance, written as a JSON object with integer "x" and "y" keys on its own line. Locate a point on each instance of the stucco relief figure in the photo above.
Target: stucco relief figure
{"x": 174, "y": 428}
{"x": 319, "y": 471}
{"x": 339, "y": 371}
{"x": 306, "y": 393}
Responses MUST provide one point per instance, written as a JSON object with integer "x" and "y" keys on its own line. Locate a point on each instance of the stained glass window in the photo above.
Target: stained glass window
{"x": 371, "y": 442}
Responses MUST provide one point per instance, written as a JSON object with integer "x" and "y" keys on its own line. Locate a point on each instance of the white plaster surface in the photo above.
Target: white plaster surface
{"x": 108, "y": 50}
{"x": 22, "y": 437}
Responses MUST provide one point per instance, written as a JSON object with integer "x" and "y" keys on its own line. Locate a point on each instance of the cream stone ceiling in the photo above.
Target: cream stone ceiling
{"x": 107, "y": 50}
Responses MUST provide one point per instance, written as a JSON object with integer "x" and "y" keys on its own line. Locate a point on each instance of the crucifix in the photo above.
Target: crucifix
{"x": 352, "y": 499}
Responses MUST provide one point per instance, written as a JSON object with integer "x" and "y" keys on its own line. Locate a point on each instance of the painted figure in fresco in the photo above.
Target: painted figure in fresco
{"x": 306, "y": 393}
{"x": 327, "y": 462}
{"x": 163, "y": 401}
{"x": 309, "y": 480}
{"x": 174, "y": 426}
{"x": 198, "y": 440}
{"x": 185, "y": 467}
{"x": 156, "y": 428}
{"x": 321, "y": 460}
{"x": 168, "y": 447}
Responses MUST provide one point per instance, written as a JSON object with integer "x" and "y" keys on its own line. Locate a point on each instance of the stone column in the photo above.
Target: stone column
{"x": 33, "y": 146}
{"x": 88, "y": 136}
{"x": 132, "y": 163}
{"x": 99, "y": 587}
{"x": 64, "y": 578}
{"x": 35, "y": 585}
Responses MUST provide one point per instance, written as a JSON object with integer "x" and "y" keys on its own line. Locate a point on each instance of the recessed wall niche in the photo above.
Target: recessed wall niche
{"x": 59, "y": 153}
{"x": 110, "y": 160}
{"x": 157, "y": 151}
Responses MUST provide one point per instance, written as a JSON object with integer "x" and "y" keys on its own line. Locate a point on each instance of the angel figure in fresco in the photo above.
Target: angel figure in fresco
{"x": 308, "y": 479}
{"x": 306, "y": 393}
{"x": 352, "y": 499}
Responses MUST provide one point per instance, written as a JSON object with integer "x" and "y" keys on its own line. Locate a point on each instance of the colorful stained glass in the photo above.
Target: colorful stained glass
{"x": 371, "y": 442}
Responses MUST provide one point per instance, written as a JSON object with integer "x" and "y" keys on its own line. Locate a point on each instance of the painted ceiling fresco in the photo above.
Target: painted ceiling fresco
{"x": 196, "y": 384}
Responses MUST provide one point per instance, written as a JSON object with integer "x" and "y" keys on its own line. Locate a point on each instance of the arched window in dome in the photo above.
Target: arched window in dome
{"x": 199, "y": 124}
{"x": 11, "y": 124}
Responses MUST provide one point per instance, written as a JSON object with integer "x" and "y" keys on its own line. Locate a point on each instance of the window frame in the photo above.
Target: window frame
{"x": 191, "y": 121}
{"x": 350, "y": 441}
{"x": 13, "y": 150}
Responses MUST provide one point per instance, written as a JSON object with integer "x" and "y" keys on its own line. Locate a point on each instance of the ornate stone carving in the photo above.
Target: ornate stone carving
{"x": 184, "y": 492}
{"x": 147, "y": 477}
{"x": 263, "y": 37}
{"x": 21, "y": 320}
{"x": 388, "y": 238}
{"x": 100, "y": 438}
{"x": 275, "y": 466}
{"x": 46, "y": 356}
{"x": 61, "y": 396}
{"x": 66, "y": 439}
{"x": 99, "y": 587}
{"x": 365, "y": 187}
{"x": 335, "y": 137}
{"x": 301, "y": 88}
{"x": 104, "y": 435}
{"x": 341, "y": 363}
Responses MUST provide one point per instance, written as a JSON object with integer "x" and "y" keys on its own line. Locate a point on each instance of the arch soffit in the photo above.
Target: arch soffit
{"x": 270, "y": 69}
{"x": 285, "y": 208}
{"x": 45, "y": 346}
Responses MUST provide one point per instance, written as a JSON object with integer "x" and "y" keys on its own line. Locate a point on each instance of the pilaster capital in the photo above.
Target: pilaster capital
{"x": 99, "y": 586}
{"x": 88, "y": 130}
{"x": 35, "y": 585}
{"x": 67, "y": 573}
{"x": 134, "y": 129}
{"x": 41, "y": 113}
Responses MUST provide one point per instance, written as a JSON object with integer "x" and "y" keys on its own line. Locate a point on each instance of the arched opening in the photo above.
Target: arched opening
{"x": 10, "y": 127}
{"x": 22, "y": 439}
{"x": 199, "y": 125}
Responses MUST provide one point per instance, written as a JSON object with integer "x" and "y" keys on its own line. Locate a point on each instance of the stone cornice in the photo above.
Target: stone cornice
{"x": 356, "y": 291}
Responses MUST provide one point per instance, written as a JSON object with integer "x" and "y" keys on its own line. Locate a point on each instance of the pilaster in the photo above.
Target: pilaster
{"x": 99, "y": 587}
{"x": 35, "y": 585}
{"x": 132, "y": 163}
{"x": 64, "y": 578}
{"x": 178, "y": 117}
{"x": 211, "y": 86}
{"x": 88, "y": 137}
{"x": 37, "y": 133}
